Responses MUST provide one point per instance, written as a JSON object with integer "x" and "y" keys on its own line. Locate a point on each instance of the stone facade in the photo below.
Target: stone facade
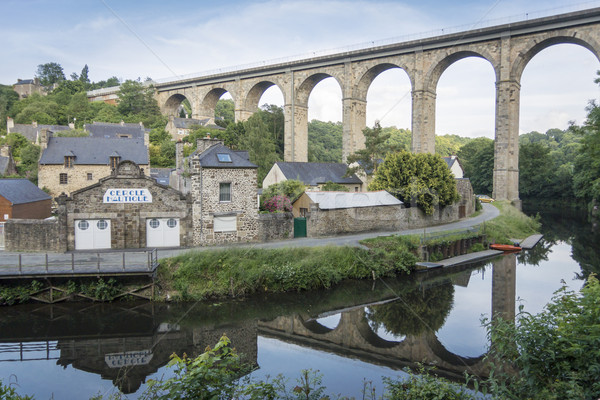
{"x": 243, "y": 205}
{"x": 128, "y": 220}
{"x": 77, "y": 177}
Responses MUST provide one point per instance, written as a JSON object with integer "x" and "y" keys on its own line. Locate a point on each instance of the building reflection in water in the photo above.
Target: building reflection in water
{"x": 126, "y": 343}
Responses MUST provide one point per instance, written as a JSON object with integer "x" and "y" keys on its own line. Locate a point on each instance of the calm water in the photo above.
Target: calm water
{"x": 355, "y": 332}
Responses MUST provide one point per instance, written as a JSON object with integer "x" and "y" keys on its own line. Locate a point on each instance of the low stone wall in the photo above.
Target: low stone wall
{"x": 388, "y": 218}
{"x": 33, "y": 235}
{"x": 275, "y": 226}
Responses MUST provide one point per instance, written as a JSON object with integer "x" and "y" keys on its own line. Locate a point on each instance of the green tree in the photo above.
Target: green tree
{"x": 586, "y": 174}
{"x": 536, "y": 171}
{"x": 84, "y": 78}
{"x": 224, "y": 112}
{"x": 7, "y": 98}
{"x": 50, "y": 73}
{"x": 334, "y": 187}
{"x": 137, "y": 103}
{"x": 260, "y": 146}
{"x": 477, "y": 160}
{"x": 324, "y": 141}
{"x": 375, "y": 149}
{"x": 273, "y": 118}
{"x": 422, "y": 179}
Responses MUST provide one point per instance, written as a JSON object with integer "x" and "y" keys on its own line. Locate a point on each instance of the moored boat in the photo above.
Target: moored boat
{"x": 505, "y": 247}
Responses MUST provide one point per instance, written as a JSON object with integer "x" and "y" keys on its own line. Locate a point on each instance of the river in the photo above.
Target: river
{"x": 352, "y": 333}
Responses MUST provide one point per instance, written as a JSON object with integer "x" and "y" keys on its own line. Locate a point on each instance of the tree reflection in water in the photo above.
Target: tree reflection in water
{"x": 415, "y": 312}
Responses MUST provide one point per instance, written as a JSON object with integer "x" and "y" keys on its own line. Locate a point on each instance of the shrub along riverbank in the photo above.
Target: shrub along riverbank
{"x": 236, "y": 272}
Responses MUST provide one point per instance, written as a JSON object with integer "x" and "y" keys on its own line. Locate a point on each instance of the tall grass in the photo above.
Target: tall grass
{"x": 242, "y": 271}
{"x": 510, "y": 224}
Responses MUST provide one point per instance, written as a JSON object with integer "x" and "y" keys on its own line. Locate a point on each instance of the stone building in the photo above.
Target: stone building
{"x": 27, "y": 87}
{"x": 313, "y": 175}
{"x": 70, "y": 163}
{"x": 125, "y": 210}
{"x": 455, "y": 166}
{"x": 181, "y": 127}
{"x": 32, "y": 132}
{"x": 119, "y": 130}
{"x": 223, "y": 184}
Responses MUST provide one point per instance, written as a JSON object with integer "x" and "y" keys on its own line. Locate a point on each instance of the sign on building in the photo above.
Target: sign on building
{"x": 128, "y": 358}
{"x": 124, "y": 195}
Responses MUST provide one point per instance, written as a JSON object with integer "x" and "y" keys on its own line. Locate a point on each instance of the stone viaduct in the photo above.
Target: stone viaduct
{"x": 508, "y": 48}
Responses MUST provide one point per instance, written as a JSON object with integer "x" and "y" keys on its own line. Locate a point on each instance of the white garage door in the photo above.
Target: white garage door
{"x": 92, "y": 234}
{"x": 162, "y": 232}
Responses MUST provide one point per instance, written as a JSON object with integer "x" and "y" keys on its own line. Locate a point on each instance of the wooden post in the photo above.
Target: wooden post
{"x": 20, "y": 264}
{"x": 46, "y": 262}
{"x": 123, "y": 261}
{"x": 73, "y": 262}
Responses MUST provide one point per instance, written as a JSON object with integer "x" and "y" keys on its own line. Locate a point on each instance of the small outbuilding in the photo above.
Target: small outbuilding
{"x": 19, "y": 198}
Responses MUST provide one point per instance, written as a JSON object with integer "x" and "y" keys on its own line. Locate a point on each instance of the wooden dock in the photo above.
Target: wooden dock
{"x": 71, "y": 265}
{"x": 531, "y": 241}
{"x": 458, "y": 260}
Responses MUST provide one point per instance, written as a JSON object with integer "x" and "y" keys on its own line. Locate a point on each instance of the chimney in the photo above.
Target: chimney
{"x": 71, "y": 125}
{"x": 5, "y": 151}
{"x": 146, "y": 138}
{"x": 179, "y": 154}
{"x": 205, "y": 143}
{"x": 122, "y": 123}
{"x": 45, "y": 136}
{"x": 34, "y": 124}
{"x": 10, "y": 123}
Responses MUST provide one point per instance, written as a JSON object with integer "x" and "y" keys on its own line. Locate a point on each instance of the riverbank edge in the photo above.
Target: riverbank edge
{"x": 242, "y": 272}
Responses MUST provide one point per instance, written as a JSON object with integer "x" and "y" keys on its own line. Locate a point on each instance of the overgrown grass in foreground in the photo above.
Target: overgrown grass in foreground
{"x": 510, "y": 224}
{"x": 244, "y": 271}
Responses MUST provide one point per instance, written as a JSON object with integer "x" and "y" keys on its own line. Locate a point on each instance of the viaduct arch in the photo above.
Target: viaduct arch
{"x": 508, "y": 48}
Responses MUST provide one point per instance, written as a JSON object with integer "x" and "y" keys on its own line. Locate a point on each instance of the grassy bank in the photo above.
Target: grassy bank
{"x": 238, "y": 272}
{"x": 244, "y": 271}
{"x": 510, "y": 224}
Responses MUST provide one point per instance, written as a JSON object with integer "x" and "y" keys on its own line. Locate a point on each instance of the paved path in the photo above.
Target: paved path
{"x": 489, "y": 212}
{"x": 115, "y": 257}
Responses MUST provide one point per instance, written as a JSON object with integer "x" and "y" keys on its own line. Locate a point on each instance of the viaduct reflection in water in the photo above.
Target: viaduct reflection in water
{"x": 125, "y": 343}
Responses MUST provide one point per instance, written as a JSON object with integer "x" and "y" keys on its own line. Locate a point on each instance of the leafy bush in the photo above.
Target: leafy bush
{"x": 290, "y": 189}
{"x": 278, "y": 203}
{"x": 551, "y": 355}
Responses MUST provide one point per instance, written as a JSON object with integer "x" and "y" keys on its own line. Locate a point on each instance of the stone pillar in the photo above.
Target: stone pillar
{"x": 295, "y": 133}
{"x": 423, "y": 121}
{"x": 506, "y": 148}
{"x": 504, "y": 287}
{"x": 354, "y": 121}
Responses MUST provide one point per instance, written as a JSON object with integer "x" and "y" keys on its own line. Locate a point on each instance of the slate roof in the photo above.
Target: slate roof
{"x": 317, "y": 173}
{"x": 109, "y": 130}
{"x": 21, "y": 191}
{"x": 239, "y": 158}
{"x": 336, "y": 200}
{"x": 188, "y": 123}
{"x": 88, "y": 150}
{"x": 25, "y": 82}
{"x": 161, "y": 175}
{"x": 31, "y": 132}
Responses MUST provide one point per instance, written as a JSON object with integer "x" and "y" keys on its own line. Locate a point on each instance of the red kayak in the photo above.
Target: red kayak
{"x": 505, "y": 247}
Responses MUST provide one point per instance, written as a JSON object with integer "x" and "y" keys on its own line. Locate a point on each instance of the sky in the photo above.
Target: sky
{"x": 162, "y": 39}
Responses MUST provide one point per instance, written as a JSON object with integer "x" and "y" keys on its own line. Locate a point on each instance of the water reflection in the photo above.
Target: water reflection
{"x": 431, "y": 317}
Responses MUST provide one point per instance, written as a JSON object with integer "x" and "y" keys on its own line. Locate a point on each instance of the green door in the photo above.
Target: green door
{"x": 299, "y": 227}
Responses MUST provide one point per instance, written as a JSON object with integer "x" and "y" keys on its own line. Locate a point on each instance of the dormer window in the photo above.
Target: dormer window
{"x": 114, "y": 161}
{"x": 69, "y": 160}
{"x": 224, "y": 157}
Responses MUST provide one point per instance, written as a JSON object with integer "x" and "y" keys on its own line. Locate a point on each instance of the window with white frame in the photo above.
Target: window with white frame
{"x": 225, "y": 191}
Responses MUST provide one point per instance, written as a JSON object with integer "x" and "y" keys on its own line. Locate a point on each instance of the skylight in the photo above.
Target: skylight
{"x": 223, "y": 157}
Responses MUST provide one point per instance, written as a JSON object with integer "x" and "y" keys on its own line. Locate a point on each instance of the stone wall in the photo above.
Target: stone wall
{"x": 275, "y": 226}
{"x": 206, "y": 205}
{"x": 387, "y": 218}
{"x": 33, "y": 235}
